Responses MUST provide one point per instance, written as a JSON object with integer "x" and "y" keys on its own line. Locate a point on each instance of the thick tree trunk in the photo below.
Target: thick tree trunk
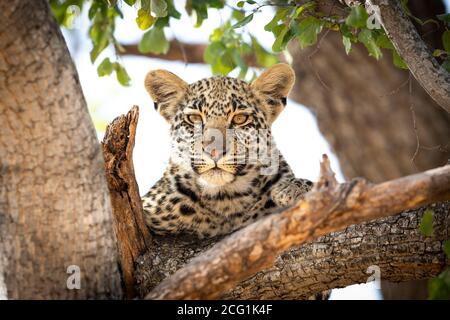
{"x": 55, "y": 210}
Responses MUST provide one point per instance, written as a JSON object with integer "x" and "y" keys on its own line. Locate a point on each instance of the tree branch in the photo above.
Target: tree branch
{"x": 393, "y": 244}
{"x": 181, "y": 51}
{"x": 339, "y": 259}
{"x": 178, "y": 51}
{"x": 327, "y": 208}
{"x": 133, "y": 237}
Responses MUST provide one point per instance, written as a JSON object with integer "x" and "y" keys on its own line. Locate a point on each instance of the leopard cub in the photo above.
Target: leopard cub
{"x": 225, "y": 170}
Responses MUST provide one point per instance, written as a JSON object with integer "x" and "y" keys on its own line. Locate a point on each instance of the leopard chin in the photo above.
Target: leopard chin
{"x": 216, "y": 178}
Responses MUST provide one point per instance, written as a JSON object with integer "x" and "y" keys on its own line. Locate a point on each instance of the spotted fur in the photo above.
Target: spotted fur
{"x": 217, "y": 191}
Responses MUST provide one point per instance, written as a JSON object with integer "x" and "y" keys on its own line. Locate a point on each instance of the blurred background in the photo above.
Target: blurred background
{"x": 353, "y": 108}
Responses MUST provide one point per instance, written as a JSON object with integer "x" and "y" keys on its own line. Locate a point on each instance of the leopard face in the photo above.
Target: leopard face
{"x": 220, "y": 127}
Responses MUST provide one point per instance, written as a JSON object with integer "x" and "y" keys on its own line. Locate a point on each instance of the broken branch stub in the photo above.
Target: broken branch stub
{"x": 133, "y": 237}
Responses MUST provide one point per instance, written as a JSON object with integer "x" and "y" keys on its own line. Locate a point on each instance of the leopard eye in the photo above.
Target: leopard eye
{"x": 194, "y": 118}
{"x": 240, "y": 119}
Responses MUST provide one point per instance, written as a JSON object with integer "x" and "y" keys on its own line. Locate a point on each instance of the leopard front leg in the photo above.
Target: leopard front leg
{"x": 288, "y": 191}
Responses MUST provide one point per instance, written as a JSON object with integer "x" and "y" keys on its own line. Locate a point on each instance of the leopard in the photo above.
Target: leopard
{"x": 225, "y": 170}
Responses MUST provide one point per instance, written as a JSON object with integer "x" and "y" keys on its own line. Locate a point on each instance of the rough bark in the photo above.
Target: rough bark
{"x": 55, "y": 209}
{"x": 392, "y": 244}
{"x": 329, "y": 207}
{"x": 339, "y": 259}
{"x": 133, "y": 237}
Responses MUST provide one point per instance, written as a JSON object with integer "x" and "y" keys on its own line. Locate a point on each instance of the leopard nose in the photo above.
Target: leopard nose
{"x": 214, "y": 152}
{"x": 214, "y": 143}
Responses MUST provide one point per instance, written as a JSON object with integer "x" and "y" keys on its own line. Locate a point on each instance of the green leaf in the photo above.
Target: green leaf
{"x": 99, "y": 46}
{"x": 447, "y": 248}
{"x": 213, "y": 52}
{"x": 426, "y": 224}
{"x": 172, "y": 11}
{"x": 101, "y": 31}
{"x": 238, "y": 15}
{"x": 383, "y": 41}
{"x": 446, "y": 40}
{"x": 122, "y": 75}
{"x": 162, "y": 22}
{"x": 216, "y": 35}
{"x": 240, "y": 4}
{"x": 105, "y": 68}
{"x": 130, "y": 2}
{"x": 159, "y": 8}
{"x": 243, "y": 22}
{"x": 71, "y": 13}
{"x": 357, "y": 18}
{"x": 264, "y": 58}
{"x": 444, "y": 17}
{"x": 439, "y": 52}
{"x": 307, "y": 31}
{"x": 347, "y": 44}
{"x": 398, "y": 61}
{"x": 439, "y": 287}
{"x": 144, "y": 19}
{"x": 366, "y": 37}
{"x": 346, "y": 31}
{"x": 200, "y": 7}
{"x": 95, "y": 7}
{"x": 154, "y": 41}
{"x": 279, "y": 15}
{"x": 279, "y": 40}
{"x": 219, "y": 58}
{"x": 238, "y": 61}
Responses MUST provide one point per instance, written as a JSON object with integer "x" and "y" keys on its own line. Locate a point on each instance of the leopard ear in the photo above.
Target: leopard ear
{"x": 274, "y": 85}
{"x": 166, "y": 89}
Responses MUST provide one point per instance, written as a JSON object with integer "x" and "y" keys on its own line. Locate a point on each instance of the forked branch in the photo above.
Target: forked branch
{"x": 228, "y": 268}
